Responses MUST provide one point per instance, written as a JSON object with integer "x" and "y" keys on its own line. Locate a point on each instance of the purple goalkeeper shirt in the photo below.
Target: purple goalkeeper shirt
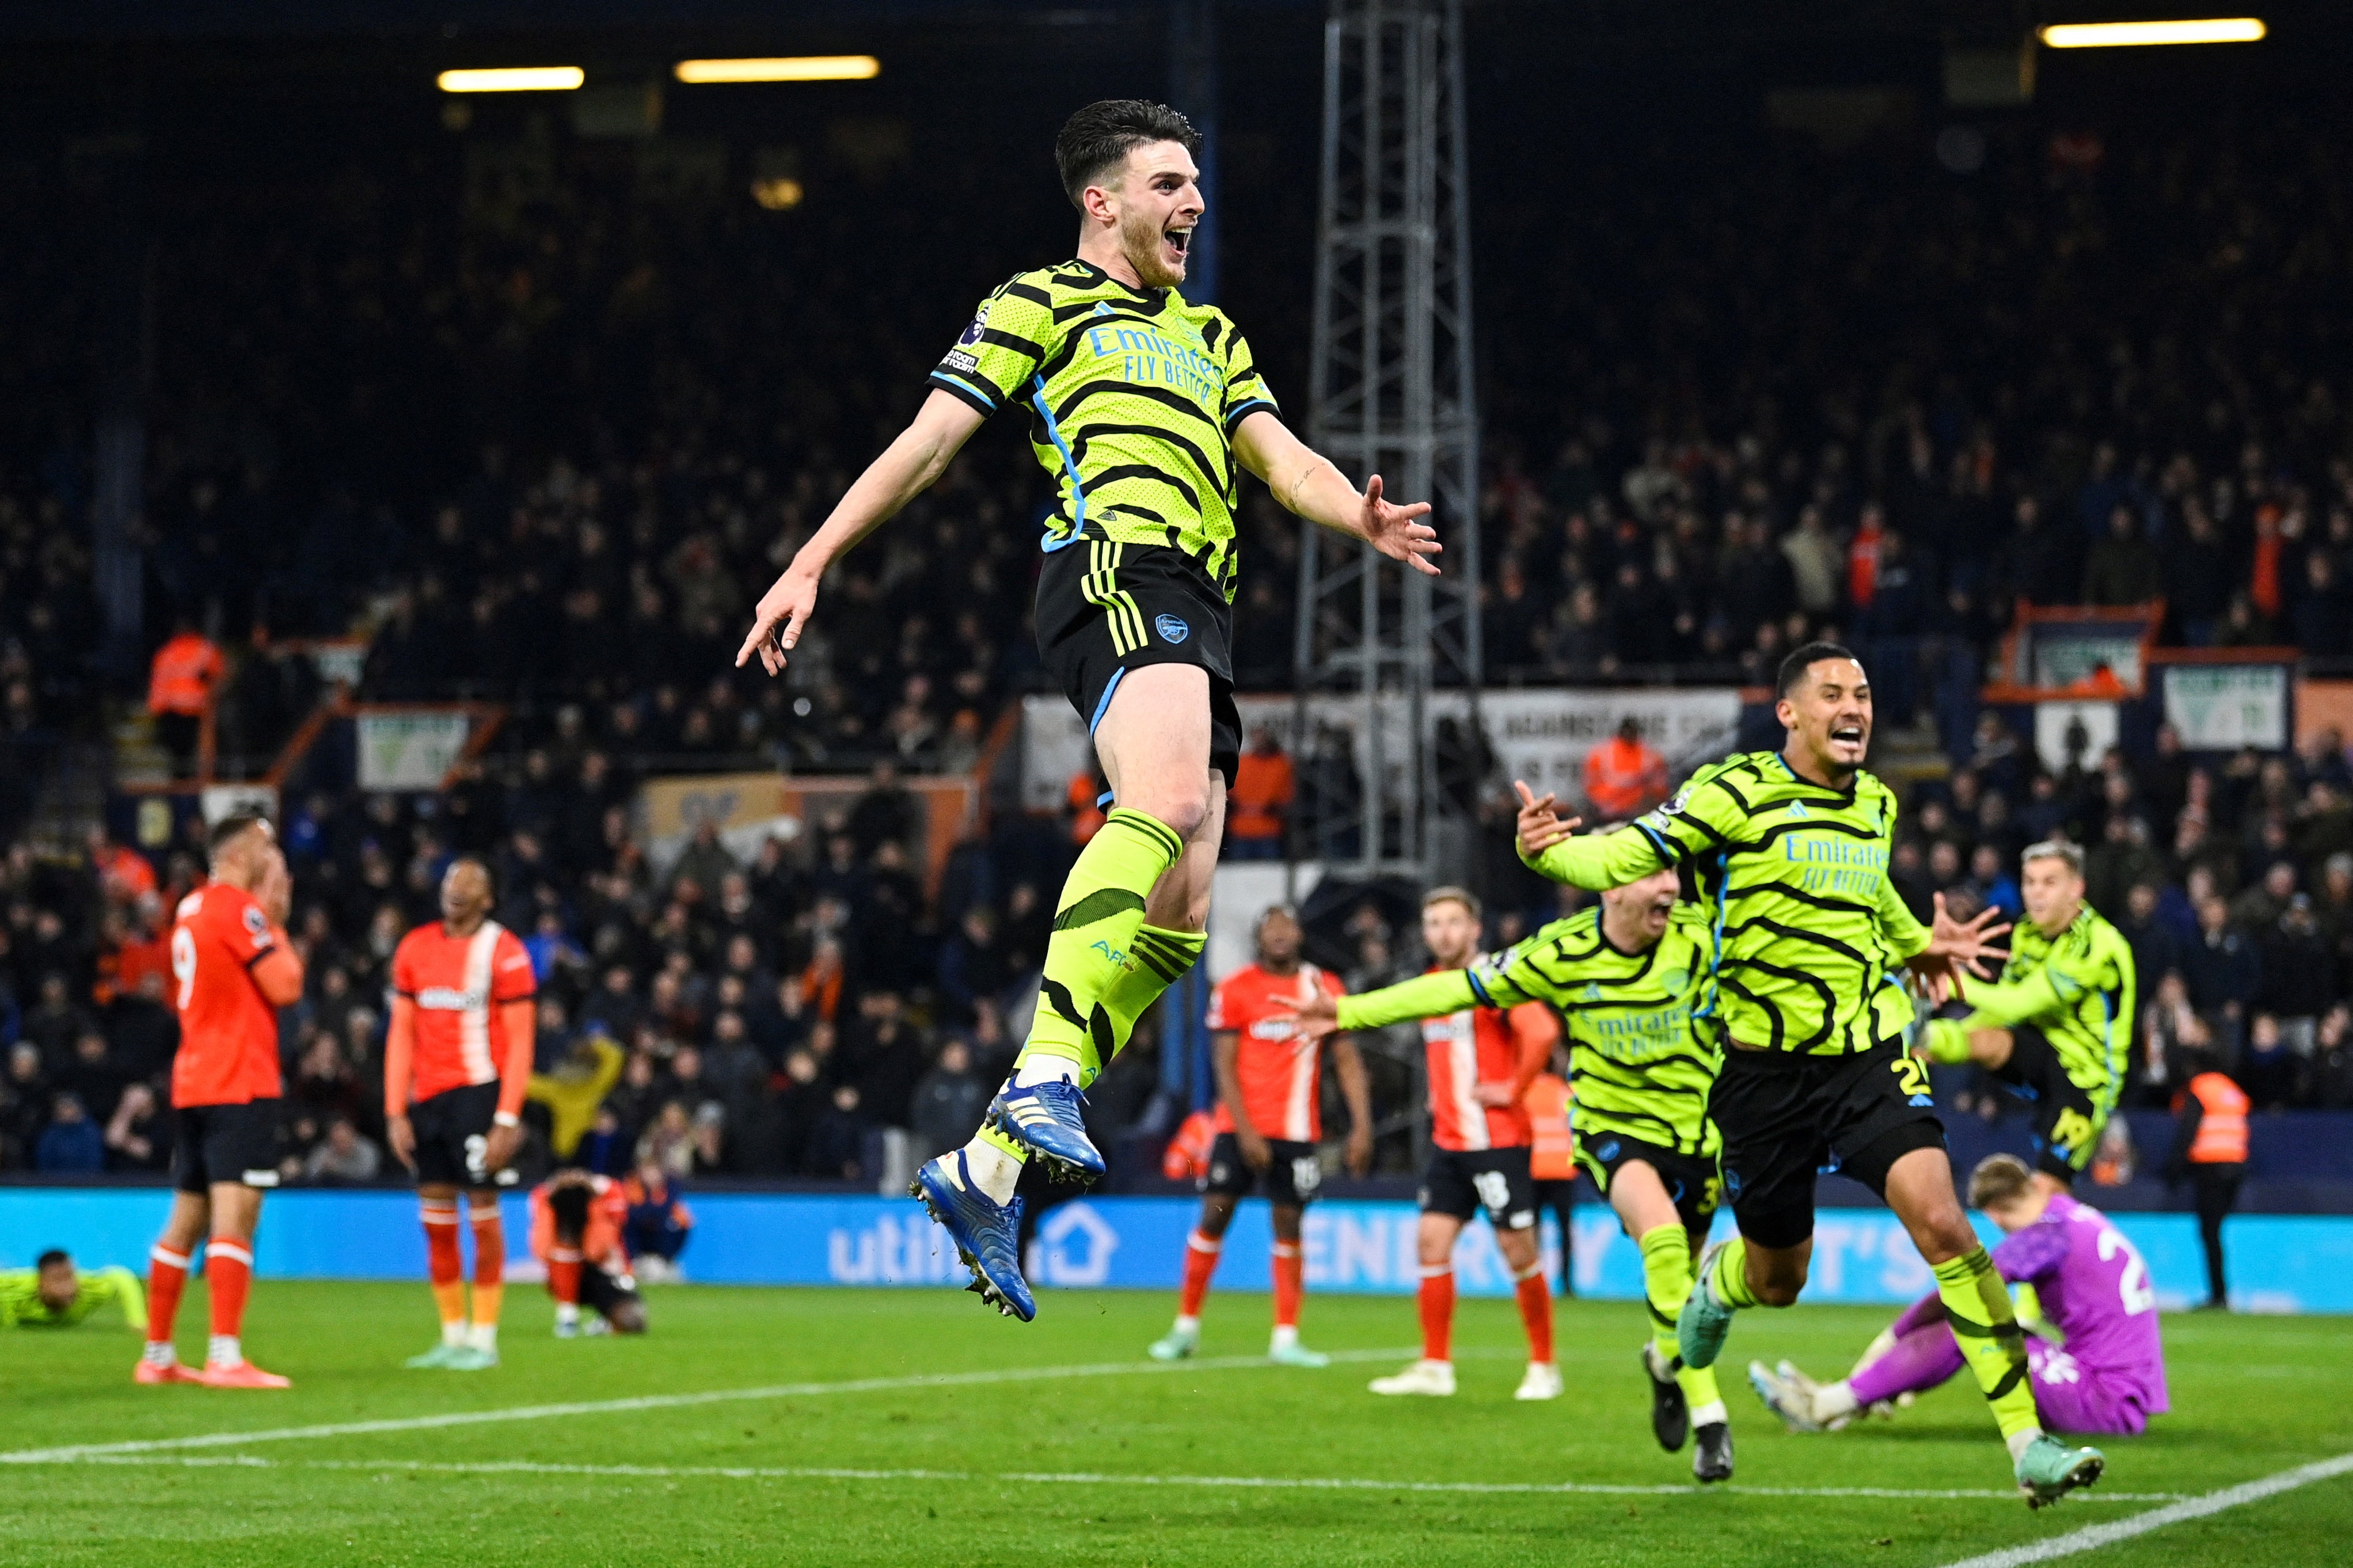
{"x": 2094, "y": 1289}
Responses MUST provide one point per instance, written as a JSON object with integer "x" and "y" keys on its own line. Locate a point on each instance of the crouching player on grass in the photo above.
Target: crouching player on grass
{"x": 576, "y": 1233}
{"x": 2107, "y": 1373}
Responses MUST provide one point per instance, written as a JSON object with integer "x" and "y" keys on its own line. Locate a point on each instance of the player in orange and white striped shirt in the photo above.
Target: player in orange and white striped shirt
{"x": 1270, "y": 1087}
{"x": 457, "y": 1062}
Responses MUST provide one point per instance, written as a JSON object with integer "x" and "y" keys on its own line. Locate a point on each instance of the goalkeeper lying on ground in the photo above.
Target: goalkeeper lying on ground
{"x": 54, "y": 1294}
{"x": 2092, "y": 1288}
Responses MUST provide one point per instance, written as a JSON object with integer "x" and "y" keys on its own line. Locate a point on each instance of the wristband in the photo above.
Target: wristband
{"x": 506, "y": 1119}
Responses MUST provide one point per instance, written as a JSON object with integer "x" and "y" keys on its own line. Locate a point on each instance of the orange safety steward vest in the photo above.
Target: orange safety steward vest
{"x": 1552, "y": 1156}
{"x": 181, "y": 678}
{"x": 2223, "y": 1130}
{"x": 1621, "y": 779}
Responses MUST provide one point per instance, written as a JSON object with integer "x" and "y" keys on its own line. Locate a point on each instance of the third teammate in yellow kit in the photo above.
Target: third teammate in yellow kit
{"x": 1628, "y": 977}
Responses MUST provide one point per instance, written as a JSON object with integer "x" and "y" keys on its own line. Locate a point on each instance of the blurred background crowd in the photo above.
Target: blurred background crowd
{"x": 535, "y": 414}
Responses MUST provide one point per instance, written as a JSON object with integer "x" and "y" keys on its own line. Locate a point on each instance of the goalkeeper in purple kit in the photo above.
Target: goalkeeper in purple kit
{"x": 2091, "y": 1286}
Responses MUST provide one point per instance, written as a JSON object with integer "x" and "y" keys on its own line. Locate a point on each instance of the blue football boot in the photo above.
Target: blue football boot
{"x": 987, "y": 1234}
{"x": 1045, "y": 1117}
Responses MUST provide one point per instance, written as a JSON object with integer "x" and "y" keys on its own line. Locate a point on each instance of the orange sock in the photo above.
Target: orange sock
{"x": 1200, "y": 1261}
{"x": 1536, "y": 1311}
{"x": 1437, "y": 1313}
{"x": 167, "y": 1276}
{"x": 563, "y": 1277}
{"x": 228, "y": 1268}
{"x": 443, "y": 1266}
{"x": 490, "y": 1267}
{"x": 1289, "y": 1284}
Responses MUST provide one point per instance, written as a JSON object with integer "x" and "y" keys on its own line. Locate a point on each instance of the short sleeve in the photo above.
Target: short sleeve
{"x": 1001, "y": 350}
{"x": 254, "y": 937}
{"x": 1219, "y": 1008}
{"x": 1246, "y": 388}
{"x": 404, "y": 969}
{"x": 1703, "y": 816}
{"x": 511, "y": 978}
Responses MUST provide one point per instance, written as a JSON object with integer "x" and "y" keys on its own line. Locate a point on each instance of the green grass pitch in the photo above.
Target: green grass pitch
{"x": 848, "y": 1437}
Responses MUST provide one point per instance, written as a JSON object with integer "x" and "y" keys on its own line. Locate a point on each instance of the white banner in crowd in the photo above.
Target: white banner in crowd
{"x": 2222, "y": 707}
{"x": 409, "y": 751}
{"x": 1539, "y": 734}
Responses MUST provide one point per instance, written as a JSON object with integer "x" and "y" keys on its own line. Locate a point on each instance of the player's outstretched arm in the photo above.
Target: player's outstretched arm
{"x": 1306, "y": 482}
{"x": 1431, "y": 995}
{"x": 1596, "y": 862}
{"x": 906, "y": 468}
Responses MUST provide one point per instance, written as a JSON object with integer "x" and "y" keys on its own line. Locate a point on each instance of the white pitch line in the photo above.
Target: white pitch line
{"x": 1055, "y": 1478}
{"x": 2092, "y": 1536}
{"x": 664, "y": 1402}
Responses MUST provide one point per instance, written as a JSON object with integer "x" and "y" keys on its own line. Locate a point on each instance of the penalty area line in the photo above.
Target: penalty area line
{"x": 1060, "y": 1478}
{"x": 665, "y": 1402}
{"x": 2092, "y": 1536}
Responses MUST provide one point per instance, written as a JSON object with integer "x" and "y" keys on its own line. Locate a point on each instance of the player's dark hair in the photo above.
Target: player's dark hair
{"x": 230, "y": 828}
{"x": 54, "y": 1255}
{"x": 1794, "y": 668}
{"x": 1102, "y": 134}
{"x": 1999, "y": 1179}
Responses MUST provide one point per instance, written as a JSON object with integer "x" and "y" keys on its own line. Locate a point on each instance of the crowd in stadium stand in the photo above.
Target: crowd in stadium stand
{"x": 1900, "y": 439}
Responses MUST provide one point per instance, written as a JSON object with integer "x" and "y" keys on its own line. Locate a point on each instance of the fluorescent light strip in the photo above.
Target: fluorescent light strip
{"x": 2119, "y": 35}
{"x": 785, "y": 68}
{"x": 514, "y": 79}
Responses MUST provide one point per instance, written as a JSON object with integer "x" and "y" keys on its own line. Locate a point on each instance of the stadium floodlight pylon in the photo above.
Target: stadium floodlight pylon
{"x": 1391, "y": 392}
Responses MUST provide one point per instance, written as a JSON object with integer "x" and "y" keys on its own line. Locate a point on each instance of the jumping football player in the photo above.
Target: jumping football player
{"x": 1270, "y": 1082}
{"x": 1482, "y": 1053}
{"x": 2055, "y": 1027}
{"x": 2092, "y": 1287}
{"x": 1145, "y": 407}
{"x": 1808, "y": 945}
{"x": 457, "y": 1063}
{"x": 232, "y": 968}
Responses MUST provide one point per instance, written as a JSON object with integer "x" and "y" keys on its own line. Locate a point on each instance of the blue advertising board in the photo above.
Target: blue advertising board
{"x": 2279, "y": 1263}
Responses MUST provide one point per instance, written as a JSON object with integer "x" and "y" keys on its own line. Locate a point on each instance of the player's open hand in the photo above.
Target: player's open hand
{"x": 1313, "y": 1016}
{"x": 401, "y": 1138}
{"x": 1957, "y": 947}
{"x": 1255, "y": 1154}
{"x": 778, "y": 621}
{"x": 1358, "y": 1155}
{"x": 1395, "y": 530}
{"x": 499, "y": 1150}
{"x": 1541, "y": 825}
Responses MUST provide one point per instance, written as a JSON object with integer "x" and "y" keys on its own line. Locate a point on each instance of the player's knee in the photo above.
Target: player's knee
{"x": 1181, "y": 808}
{"x": 1781, "y": 1290}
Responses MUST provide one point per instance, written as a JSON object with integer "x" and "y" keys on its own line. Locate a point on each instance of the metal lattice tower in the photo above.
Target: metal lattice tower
{"x": 1392, "y": 394}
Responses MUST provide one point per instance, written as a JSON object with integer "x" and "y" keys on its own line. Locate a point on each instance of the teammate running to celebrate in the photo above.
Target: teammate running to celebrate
{"x": 1144, "y": 406}
{"x": 457, "y": 1063}
{"x": 576, "y": 1233}
{"x": 1270, "y": 1083}
{"x": 1485, "y": 1044}
{"x": 1808, "y": 942}
{"x": 232, "y": 968}
{"x": 1627, "y": 975}
{"x": 2055, "y": 1027}
{"x": 2091, "y": 1285}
